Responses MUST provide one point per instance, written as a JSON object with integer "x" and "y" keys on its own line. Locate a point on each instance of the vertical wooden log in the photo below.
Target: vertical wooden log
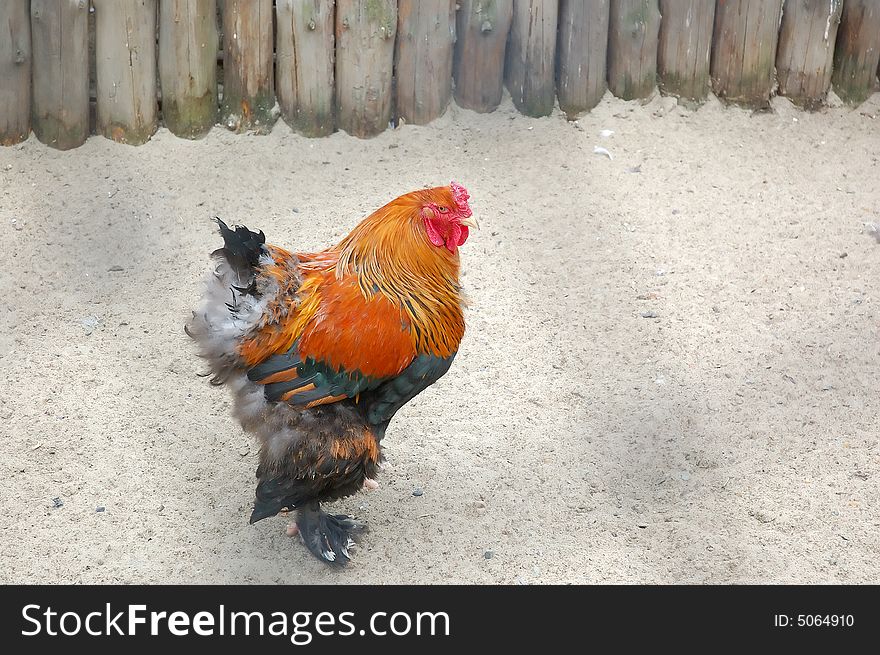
{"x": 744, "y": 51}
{"x": 685, "y": 45}
{"x": 188, "y": 44}
{"x": 583, "y": 45}
{"x": 632, "y": 48}
{"x": 60, "y": 33}
{"x": 365, "y": 32}
{"x": 423, "y": 59}
{"x": 805, "y": 53}
{"x": 248, "y": 79}
{"x": 478, "y": 69}
{"x": 858, "y": 51}
{"x": 15, "y": 72}
{"x": 531, "y": 54}
{"x": 125, "y": 53}
{"x": 304, "y": 72}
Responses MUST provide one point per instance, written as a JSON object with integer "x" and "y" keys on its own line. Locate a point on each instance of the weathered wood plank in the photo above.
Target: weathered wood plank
{"x": 248, "y": 66}
{"x": 59, "y": 30}
{"x": 582, "y": 54}
{"x": 423, "y": 59}
{"x": 188, "y": 44}
{"x": 15, "y": 72}
{"x": 125, "y": 53}
{"x": 632, "y": 48}
{"x": 305, "y": 41}
{"x": 478, "y": 69}
{"x": 529, "y": 72}
{"x": 858, "y": 51}
{"x": 805, "y": 53}
{"x": 365, "y": 33}
{"x": 685, "y": 45}
{"x": 744, "y": 50}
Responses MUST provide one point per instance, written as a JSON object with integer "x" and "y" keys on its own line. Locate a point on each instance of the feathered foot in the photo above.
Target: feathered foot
{"x": 329, "y": 537}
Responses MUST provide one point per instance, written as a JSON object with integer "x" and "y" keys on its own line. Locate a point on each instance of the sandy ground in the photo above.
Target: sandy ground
{"x": 670, "y": 371}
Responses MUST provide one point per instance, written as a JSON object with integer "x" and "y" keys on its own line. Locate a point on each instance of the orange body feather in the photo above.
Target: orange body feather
{"x": 374, "y": 302}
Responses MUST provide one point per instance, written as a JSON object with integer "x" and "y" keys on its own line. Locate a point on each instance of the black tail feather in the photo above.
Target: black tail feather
{"x": 241, "y": 247}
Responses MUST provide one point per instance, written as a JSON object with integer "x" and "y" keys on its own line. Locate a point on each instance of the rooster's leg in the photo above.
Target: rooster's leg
{"x": 327, "y": 536}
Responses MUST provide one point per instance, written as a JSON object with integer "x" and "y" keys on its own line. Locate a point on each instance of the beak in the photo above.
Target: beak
{"x": 470, "y": 222}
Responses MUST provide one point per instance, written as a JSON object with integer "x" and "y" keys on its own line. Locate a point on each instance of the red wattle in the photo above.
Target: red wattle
{"x": 433, "y": 235}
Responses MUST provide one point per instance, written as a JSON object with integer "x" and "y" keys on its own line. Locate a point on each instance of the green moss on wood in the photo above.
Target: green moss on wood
{"x": 752, "y": 88}
{"x": 311, "y": 123}
{"x": 487, "y": 11}
{"x": 636, "y": 89}
{"x": 853, "y": 81}
{"x": 190, "y": 117}
{"x": 57, "y": 134}
{"x": 380, "y": 14}
{"x": 535, "y": 102}
{"x": 133, "y": 135}
{"x": 691, "y": 88}
{"x": 243, "y": 114}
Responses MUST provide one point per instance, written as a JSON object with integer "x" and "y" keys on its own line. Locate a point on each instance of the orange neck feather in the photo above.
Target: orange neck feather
{"x": 390, "y": 254}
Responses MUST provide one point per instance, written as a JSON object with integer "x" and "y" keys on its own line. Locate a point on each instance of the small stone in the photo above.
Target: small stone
{"x": 57, "y": 502}
{"x": 488, "y": 554}
{"x": 115, "y": 269}
{"x": 649, "y": 314}
{"x": 244, "y": 451}
{"x": 99, "y": 508}
{"x": 418, "y": 491}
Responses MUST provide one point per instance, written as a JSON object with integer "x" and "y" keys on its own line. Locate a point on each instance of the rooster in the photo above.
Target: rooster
{"x": 320, "y": 350}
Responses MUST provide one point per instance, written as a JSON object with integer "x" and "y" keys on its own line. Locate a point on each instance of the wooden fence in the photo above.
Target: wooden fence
{"x": 69, "y": 68}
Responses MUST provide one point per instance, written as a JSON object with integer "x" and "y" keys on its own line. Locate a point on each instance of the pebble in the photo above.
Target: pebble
{"x": 418, "y": 491}
{"x": 488, "y": 554}
{"x": 99, "y": 508}
{"x": 649, "y": 314}
{"x": 115, "y": 269}
{"x": 57, "y": 502}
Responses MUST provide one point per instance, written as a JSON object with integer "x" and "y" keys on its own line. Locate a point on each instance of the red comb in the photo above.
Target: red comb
{"x": 461, "y": 196}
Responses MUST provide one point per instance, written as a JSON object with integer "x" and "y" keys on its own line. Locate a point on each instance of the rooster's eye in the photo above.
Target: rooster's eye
{"x": 443, "y": 210}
